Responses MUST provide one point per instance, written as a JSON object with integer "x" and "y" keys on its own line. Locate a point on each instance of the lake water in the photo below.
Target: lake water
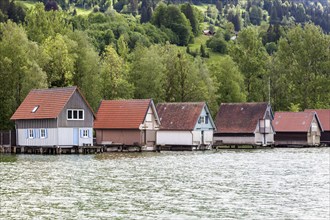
{"x": 227, "y": 184}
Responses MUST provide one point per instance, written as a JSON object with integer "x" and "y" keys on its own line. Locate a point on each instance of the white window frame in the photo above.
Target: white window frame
{"x": 30, "y": 133}
{"x": 202, "y": 119}
{"x": 35, "y": 109}
{"x": 314, "y": 127}
{"x": 85, "y": 133}
{"x": 149, "y": 117}
{"x": 42, "y": 133}
{"x": 72, "y": 114}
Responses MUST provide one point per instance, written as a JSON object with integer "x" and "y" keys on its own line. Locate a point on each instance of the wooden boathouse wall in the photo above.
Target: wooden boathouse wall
{"x": 7, "y": 138}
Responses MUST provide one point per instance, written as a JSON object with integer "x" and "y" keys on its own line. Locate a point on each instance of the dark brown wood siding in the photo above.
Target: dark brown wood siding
{"x": 325, "y": 137}
{"x": 291, "y": 138}
{"x": 233, "y": 134}
{"x": 76, "y": 102}
{"x": 120, "y": 136}
{"x": 7, "y": 138}
{"x": 36, "y": 123}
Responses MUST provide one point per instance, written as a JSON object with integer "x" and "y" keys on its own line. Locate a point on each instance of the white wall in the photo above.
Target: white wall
{"x": 268, "y": 139}
{"x": 235, "y": 140}
{"x": 65, "y": 137}
{"x": 50, "y": 140}
{"x": 208, "y": 137}
{"x": 174, "y": 138}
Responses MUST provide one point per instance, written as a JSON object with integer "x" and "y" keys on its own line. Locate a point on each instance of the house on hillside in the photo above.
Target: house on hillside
{"x": 297, "y": 129}
{"x": 125, "y": 123}
{"x": 208, "y": 32}
{"x": 244, "y": 124}
{"x": 57, "y": 117}
{"x": 185, "y": 125}
{"x": 324, "y": 116}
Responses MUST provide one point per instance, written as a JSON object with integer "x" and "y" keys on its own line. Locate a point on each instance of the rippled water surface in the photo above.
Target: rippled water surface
{"x": 227, "y": 184}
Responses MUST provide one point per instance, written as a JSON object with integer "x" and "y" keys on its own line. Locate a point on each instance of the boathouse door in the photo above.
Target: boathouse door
{"x": 202, "y": 137}
{"x": 76, "y": 136}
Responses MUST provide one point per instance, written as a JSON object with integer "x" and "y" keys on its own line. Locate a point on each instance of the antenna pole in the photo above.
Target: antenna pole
{"x": 269, "y": 90}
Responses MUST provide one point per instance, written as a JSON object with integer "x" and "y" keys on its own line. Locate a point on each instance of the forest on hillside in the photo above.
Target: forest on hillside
{"x": 171, "y": 51}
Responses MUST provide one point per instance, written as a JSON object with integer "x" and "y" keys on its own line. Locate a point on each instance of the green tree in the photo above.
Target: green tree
{"x": 230, "y": 87}
{"x": 20, "y": 69}
{"x": 300, "y": 73}
{"x": 41, "y": 24}
{"x": 86, "y": 68}
{"x": 186, "y": 79}
{"x": 172, "y": 18}
{"x": 192, "y": 15}
{"x": 255, "y": 15}
{"x": 252, "y": 59}
{"x": 122, "y": 48}
{"x": 147, "y": 72}
{"x": 60, "y": 59}
{"x": 114, "y": 77}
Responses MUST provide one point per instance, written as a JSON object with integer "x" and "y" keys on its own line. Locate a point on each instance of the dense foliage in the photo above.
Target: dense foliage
{"x": 147, "y": 51}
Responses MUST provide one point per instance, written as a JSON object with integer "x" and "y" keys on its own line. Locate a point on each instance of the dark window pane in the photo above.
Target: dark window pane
{"x": 75, "y": 114}
{"x": 69, "y": 114}
{"x": 81, "y": 114}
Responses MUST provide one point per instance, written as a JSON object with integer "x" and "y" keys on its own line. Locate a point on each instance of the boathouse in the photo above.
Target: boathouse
{"x": 186, "y": 126}
{"x": 297, "y": 129}
{"x": 244, "y": 124}
{"x": 324, "y": 116}
{"x": 124, "y": 123}
{"x": 57, "y": 117}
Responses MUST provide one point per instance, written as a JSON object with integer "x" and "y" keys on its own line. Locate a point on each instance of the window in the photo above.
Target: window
{"x": 75, "y": 114}
{"x": 35, "y": 109}
{"x": 31, "y": 133}
{"x": 148, "y": 117}
{"x": 42, "y": 133}
{"x": 69, "y": 114}
{"x": 202, "y": 120}
{"x": 85, "y": 133}
{"x": 314, "y": 127}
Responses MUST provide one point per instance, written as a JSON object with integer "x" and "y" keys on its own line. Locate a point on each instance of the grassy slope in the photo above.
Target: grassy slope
{"x": 195, "y": 46}
{"x": 202, "y": 40}
{"x": 28, "y": 4}
{"x": 80, "y": 11}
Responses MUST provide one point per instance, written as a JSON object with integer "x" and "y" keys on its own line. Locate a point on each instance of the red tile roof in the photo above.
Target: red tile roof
{"x": 239, "y": 117}
{"x": 179, "y": 116}
{"x": 50, "y": 103}
{"x": 293, "y": 121}
{"x": 121, "y": 114}
{"x": 324, "y": 116}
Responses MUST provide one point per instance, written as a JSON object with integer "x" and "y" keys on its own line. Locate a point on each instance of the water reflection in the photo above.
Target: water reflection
{"x": 227, "y": 184}
{"x": 7, "y": 158}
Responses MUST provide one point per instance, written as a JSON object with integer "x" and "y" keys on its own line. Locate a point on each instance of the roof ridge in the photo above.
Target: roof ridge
{"x": 179, "y": 103}
{"x": 122, "y": 100}
{"x": 243, "y": 103}
{"x": 54, "y": 88}
{"x": 315, "y": 109}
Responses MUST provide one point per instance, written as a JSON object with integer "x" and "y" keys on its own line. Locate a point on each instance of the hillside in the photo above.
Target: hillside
{"x": 229, "y": 51}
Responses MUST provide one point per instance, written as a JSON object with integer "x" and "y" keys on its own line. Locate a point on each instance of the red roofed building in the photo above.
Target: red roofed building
{"x": 54, "y": 117}
{"x": 244, "y": 124}
{"x": 324, "y": 116}
{"x": 297, "y": 129}
{"x": 127, "y": 122}
{"x": 185, "y": 124}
